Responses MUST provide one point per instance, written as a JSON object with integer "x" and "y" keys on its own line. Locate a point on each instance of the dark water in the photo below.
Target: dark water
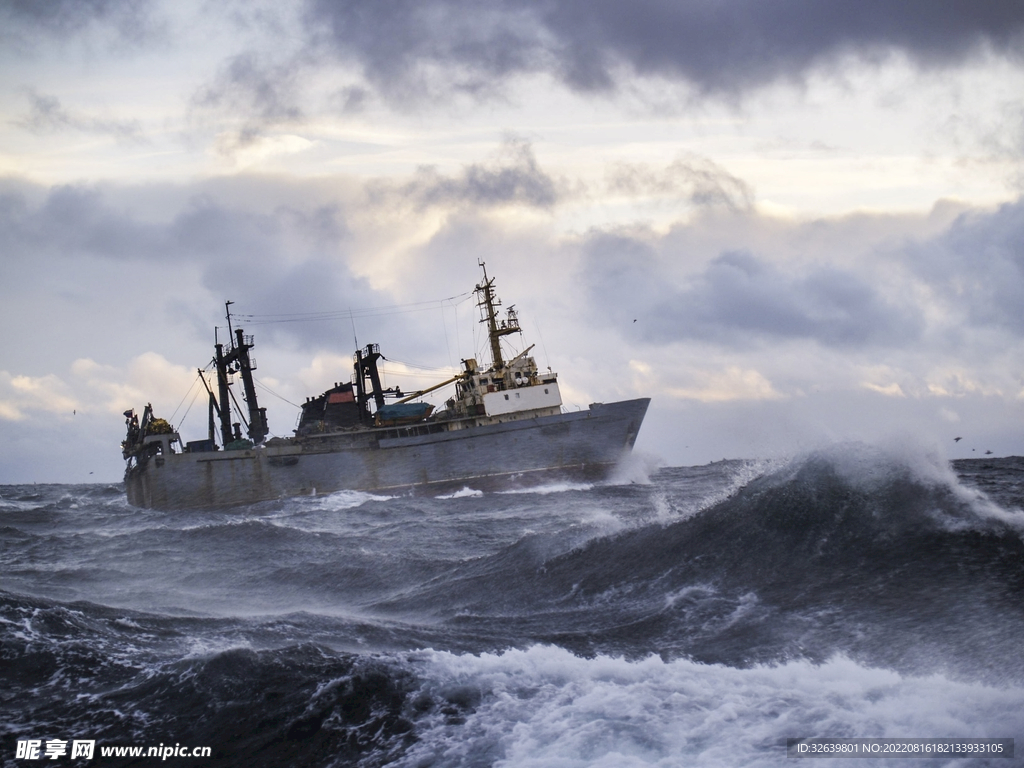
{"x": 699, "y": 618}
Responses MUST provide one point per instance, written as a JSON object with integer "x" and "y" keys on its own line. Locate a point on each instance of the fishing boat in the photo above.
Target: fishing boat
{"x": 503, "y": 427}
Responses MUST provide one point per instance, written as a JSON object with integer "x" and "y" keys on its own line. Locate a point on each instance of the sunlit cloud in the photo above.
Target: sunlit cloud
{"x": 21, "y": 395}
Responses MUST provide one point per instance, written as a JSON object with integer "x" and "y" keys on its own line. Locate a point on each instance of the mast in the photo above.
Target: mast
{"x": 214, "y": 407}
{"x": 489, "y": 303}
{"x": 222, "y": 388}
{"x": 366, "y": 368}
{"x": 237, "y": 360}
{"x": 257, "y": 416}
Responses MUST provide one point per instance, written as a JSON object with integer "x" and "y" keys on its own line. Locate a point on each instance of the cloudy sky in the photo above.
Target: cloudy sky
{"x": 788, "y": 222}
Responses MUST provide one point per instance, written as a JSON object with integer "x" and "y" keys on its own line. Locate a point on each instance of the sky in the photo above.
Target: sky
{"x": 789, "y": 223}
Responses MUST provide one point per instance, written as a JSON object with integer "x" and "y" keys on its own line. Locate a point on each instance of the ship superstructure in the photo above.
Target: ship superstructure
{"x": 503, "y": 425}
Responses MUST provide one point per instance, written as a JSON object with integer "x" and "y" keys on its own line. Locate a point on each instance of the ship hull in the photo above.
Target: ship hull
{"x": 581, "y": 445}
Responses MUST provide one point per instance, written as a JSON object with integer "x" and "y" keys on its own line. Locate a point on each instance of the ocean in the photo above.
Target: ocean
{"x": 677, "y": 616}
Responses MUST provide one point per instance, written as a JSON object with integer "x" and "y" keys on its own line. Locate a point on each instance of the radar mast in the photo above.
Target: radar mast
{"x": 489, "y": 303}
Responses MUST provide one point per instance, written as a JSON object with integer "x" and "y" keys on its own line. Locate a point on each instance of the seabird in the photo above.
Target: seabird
{"x": 957, "y": 439}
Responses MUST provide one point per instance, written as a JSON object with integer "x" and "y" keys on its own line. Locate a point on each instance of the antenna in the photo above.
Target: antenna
{"x": 227, "y": 313}
{"x": 488, "y": 303}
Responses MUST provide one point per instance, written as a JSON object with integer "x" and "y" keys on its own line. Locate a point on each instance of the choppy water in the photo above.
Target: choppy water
{"x": 697, "y": 618}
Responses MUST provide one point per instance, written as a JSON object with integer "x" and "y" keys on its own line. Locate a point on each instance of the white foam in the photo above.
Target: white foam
{"x": 666, "y": 509}
{"x": 544, "y": 707}
{"x": 602, "y": 522}
{"x": 463, "y": 493}
{"x": 544, "y": 490}
{"x": 872, "y": 467}
{"x": 691, "y": 591}
{"x": 342, "y": 500}
{"x": 742, "y": 474}
{"x": 635, "y": 467}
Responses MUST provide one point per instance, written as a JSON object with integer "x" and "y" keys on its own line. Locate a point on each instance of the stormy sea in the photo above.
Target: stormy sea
{"x": 687, "y": 616}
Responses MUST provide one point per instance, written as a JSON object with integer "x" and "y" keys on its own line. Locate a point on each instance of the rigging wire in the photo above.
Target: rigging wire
{"x": 421, "y": 367}
{"x": 444, "y": 325}
{"x": 351, "y": 313}
{"x": 238, "y": 408}
{"x": 185, "y": 415}
{"x": 458, "y": 339}
{"x": 189, "y": 392}
{"x": 543, "y": 346}
{"x": 415, "y": 375}
{"x": 265, "y": 388}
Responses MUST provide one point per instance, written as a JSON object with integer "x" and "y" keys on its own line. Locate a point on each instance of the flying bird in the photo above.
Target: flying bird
{"x": 957, "y": 439}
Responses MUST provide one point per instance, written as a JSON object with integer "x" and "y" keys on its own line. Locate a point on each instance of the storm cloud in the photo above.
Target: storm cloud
{"x": 722, "y": 47}
{"x": 248, "y": 84}
{"x": 287, "y": 260}
{"x": 977, "y": 267}
{"x": 713, "y": 204}
{"x": 132, "y": 21}
{"x": 740, "y": 300}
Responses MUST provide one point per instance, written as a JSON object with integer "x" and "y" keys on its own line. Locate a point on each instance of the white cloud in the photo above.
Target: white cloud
{"x": 891, "y": 390}
{"x": 20, "y": 395}
{"x": 92, "y": 388}
{"x": 704, "y": 385}
{"x": 149, "y": 377}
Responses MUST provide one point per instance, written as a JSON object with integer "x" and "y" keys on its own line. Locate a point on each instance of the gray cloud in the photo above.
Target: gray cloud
{"x": 738, "y": 299}
{"x": 74, "y": 220}
{"x": 133, "y": 21}
{"x": 475, "y": 42}
{"x": 697, "y": 179}
{"x": 267, "y": 93}
{"x": 977, "y": 267}
{"x": 721, "y": 47}
{"x": 733, "y": 45}
{"x": 285, "y": 264}
{"x": 47, "y": 114}
{"x": 513, "y": 177}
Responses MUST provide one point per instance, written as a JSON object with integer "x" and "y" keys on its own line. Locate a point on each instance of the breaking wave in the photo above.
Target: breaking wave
{"x": 698, "y": 618}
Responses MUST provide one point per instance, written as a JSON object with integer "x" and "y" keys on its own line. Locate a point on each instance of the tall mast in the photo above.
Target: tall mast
{"x": 257, "y": 416}
{"x": 237, "y": 359}
{"x": 489, "y": 302}
{"x": 214, "y": 407}
{"x": 222, "y": 388}
{"x": 366, "y": 368}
